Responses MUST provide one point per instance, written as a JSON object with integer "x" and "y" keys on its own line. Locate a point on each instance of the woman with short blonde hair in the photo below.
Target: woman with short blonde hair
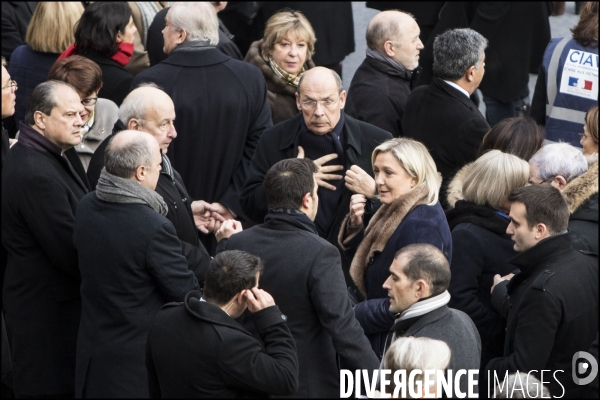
{"x": 480, "y": 246}
{"x": 408, "y": 184}
{"x": 50, "y": 32}
{"x": 283, "y": 55}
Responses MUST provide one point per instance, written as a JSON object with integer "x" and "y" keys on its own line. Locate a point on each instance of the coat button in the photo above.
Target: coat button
{"x": 371, "y": 261}
{"x": 283, "y": 317}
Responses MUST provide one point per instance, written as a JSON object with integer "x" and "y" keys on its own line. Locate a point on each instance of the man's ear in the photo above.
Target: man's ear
{"x": 182, "y": 36}
{"x": 133, "y": 124}
{"x": 540, "y": 231}
{"x": 423, "y": 289}
{"x": 470, "y": 74}
{"x": 39, "y": 118}
{"x": 306, "y": 200}
{"x": 560, "y": 181}
{"x": 140, "y": 173}
{"x": 388, "y": 48}
{"x": 298, "y": 104}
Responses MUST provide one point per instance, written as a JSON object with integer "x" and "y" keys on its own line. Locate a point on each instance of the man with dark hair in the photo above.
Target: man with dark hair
{"x": 40, "y": 195}
{"x": 303, "y": 273}
{"x": 441, "y": 115}
{"x": 196, "y": 348}
{"x": 388, "y": 74}
{"x": 338, "y": 143}
{"x": 131, "y": 264}
{"x": 551, "y": 305}
{"x": 417, "y": 286}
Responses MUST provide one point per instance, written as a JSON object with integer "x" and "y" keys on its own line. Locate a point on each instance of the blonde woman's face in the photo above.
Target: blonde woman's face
{"x": 391, "y": 179}
{"x": 290, "y": 54}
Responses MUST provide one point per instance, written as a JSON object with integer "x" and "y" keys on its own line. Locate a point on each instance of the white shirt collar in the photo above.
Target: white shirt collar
{"x": 454, "y": 85}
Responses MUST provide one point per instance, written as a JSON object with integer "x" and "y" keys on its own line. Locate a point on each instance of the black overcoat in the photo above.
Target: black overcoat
{"x": 215, "y": 356}
{"x": 42, "y": 305}
{"x": 222, "y": 109}
{"x": 280, "y": 143}
{"x": 378, "y": 94}
{"x": 131, "y": 265}
{"x": 303, "y": 274}
{"x": 448, "y": 123}
{"x": 552, "y": 312}
{"x": 116, "y": 80}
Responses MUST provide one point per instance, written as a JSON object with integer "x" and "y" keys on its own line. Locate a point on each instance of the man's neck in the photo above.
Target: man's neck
{"x": 462, "y": 86}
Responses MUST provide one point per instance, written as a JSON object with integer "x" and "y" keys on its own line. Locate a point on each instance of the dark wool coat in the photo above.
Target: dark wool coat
{"x": 304, "y": 275}
{"x": 196, "y": 350}
{"x": 378, "y": 94}
{"x": 280, "y": 143}
{"x": 448, "y": 123}
{"x": 15, "y": 20}
{"x": 424, "y": 224}
{"x": 480, "y": 249}
{"x": 582, "y": 193}
{"x": 116, "y": 80}
{"x": 42, "y": 305}
{"x": 453, "y": 327}
{"x": 222, "y": 109}
{"x": 552, "y": 312}
{"x": 131, "y": 265}
{"x": 282, "y": 97}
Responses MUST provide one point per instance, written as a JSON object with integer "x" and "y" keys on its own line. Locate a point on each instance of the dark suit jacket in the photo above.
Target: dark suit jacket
{"x": 448, "y": 123}
{"x": 42, "y": 305}
{"x": 15, "y": 19}
{"x": 303, "y": 274}
{"x": 222, "y": 109}
{"x": 280, "y": 142}
{"x": 131, "y": 265}
{"x": 196, "y": 350}
{"x": 116, "y": 80}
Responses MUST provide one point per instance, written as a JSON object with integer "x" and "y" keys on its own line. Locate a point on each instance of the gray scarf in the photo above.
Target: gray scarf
{"x": 194, "y": 45}
{"x": 114, "y": 189}
{"x": 382, "y": 57}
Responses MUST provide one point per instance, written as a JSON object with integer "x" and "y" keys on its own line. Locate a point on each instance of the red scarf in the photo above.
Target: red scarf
{"x": 122, "y": 56}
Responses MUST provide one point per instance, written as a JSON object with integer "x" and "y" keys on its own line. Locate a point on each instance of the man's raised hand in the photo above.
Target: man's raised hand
{"x": 323, "y": 174}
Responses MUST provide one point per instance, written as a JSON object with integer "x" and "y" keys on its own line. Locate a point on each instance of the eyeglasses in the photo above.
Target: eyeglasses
{"x": 312, "y": 104}
{"x": 11, "y": 84}
{"x": 90, "y": 101}
{"x": 583, "y": 136}
{"x": 542, "y": 182}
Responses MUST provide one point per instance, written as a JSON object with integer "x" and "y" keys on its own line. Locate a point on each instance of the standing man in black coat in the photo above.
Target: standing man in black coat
{"x": 149, "y": 109}
{"x": 40, "y": 195}
{"x": 131, "y": 264}
{"x": 221, "y": 106}
{"x": 324, "y": 133}
{"x": 441, "y": 115}
{"x": 196, "y": 348}
{"x": 552, "y": 311}
{"x": 303, "y": 273}
{"x": 388, "y": 74}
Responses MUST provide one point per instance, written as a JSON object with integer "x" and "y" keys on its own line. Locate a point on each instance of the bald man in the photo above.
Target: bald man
{"x": 340, "y": 145}
{"x": 131, "y": 264}
{"x": 389, "y": 73}
{"x": 156, "y": 116}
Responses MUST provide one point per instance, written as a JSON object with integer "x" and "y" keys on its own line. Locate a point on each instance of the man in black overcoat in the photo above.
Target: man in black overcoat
{"x": 149, "y": 109}
{"x": 197, "y": 349}
{"x": 303, "y": 273}
{"x": 337, "y": 142}
{"x": 221, "y": 106}
{"x": 131, "y": 264}
{"x": 551, "y": 305}
{"x": 40, "y": 195}
{"x": 442, "y": 115}
{"x": 388, "y": 74}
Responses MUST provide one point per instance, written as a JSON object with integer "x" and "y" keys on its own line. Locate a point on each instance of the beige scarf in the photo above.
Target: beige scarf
{"x": 381, "y": 227}
{"x": 290, "y": 79}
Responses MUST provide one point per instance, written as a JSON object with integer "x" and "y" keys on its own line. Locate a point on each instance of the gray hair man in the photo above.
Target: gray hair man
{"x": 40, "y": 195}
{"x": 417, "y": 286}
{"x": 131, "y": 264}
{"x": 219, "y": 125}
{"x": 390, "y": 71}
{"x": 441, "y": 115}
{"x": 566, "y": 168}
{"x": 149, "y": 109}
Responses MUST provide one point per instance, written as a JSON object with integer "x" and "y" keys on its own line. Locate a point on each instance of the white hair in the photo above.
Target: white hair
{"x": 559, "y": 159}
{"x": 198, "y": 19}
{"x": 135, "y": 105}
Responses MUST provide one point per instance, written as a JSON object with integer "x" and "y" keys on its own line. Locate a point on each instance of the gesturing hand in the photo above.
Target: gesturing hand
{"x": 206, "y": 218}
{"x": 360, "y": 182}
{"x": 498, "y": 279}
{"x": 323, "y": 174}
{"x": 257, "y": 299}
{"x": 228, "y": 228}
{"x": 357, "y": 209}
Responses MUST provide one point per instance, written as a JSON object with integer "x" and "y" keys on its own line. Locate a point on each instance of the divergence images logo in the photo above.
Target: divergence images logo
{"x": 581, "y": 367}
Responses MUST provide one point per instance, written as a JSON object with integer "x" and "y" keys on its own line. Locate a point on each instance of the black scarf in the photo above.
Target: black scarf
{"x": 482, "y": 216}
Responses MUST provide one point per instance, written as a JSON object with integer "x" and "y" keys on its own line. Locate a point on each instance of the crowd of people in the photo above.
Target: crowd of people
{"x": 188, "y": 212}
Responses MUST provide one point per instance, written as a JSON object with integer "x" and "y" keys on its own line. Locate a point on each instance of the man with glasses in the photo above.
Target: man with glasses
{"x": 565, "y": 167}
{"x": 40, "y": 195}
{"x": 340, "y": 145}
